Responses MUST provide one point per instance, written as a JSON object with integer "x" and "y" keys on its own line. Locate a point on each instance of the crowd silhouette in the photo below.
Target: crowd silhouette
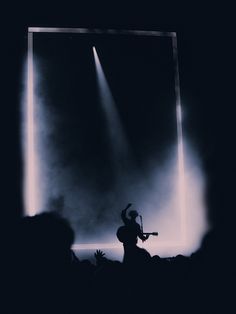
{"x": 46, "y": 276}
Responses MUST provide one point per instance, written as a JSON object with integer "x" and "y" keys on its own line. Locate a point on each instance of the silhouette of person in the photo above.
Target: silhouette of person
{"x": 128, "y": 235}
{"x": 133, "y": 229}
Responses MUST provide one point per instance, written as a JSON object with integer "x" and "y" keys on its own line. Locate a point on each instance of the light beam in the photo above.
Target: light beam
{"x": 118, "y": 141}
{"x": 30, "y": 159}
{"x": 192, "y": 219}
{"x": 181, "y": 165}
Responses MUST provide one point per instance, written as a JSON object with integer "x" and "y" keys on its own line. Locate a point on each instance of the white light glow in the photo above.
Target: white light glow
{"x": 162, "y": 212}
{"x": 30, "y": 182}
{"x": 181, "y": 166}
{"x": 118, "y": 140}
{"x": 182, "y": 170}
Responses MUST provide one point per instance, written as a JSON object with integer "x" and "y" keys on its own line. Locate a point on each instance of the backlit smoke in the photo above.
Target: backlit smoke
{"x": 31, "y": 188}
{"x": 117, "y": 139}
{"x": 158, "y": 203}
{"x": 181, "y": 173}
{"x": 35, "y": 134}
{"x": 170, "y": 195}
{"x": 170, "y": 218}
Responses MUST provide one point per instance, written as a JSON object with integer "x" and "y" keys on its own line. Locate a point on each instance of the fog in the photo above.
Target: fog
{"x": 84, "y": 175}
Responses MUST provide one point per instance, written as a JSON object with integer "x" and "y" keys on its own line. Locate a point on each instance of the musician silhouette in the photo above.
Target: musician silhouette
{"x": 128, "y": 235}
{"x": 131, "y": 230}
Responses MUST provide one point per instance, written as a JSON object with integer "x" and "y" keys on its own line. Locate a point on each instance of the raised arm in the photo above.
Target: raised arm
{"x": 123, "y": 214}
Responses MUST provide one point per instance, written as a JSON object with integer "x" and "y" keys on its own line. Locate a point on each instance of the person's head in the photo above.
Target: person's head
{"x": 46, "y": 239}
{"x": 133, "y": 214}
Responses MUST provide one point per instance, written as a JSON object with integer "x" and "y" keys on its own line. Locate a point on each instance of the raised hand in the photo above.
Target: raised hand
{"x": 130, "y": 204}
{"x": 146, "y": 237}
{"x": 99, "y": 255}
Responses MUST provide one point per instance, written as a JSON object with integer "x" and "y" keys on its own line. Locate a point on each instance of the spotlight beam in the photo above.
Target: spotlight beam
{"x": 30, "y": 175}
{"x": 31, "y": 163}
{"x": 181, "y": 244}
{"x": 181, "y": 166}
{"x": 118, "y": 140}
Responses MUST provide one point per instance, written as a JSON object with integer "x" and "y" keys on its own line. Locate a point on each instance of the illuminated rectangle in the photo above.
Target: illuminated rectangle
{"x": 99, "y": 31}
{"x": 172, "y": 36}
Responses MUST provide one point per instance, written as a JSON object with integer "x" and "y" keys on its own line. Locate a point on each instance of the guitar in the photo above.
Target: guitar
{"x": 123, "y": 234}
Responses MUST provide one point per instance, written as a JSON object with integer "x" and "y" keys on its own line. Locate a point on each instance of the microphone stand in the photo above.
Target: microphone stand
{"x": 141, "y": 220}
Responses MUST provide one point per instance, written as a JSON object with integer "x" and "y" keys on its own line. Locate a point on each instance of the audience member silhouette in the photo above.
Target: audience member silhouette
{"x": 48, "y": 277}
{"x": 52, "y": 274}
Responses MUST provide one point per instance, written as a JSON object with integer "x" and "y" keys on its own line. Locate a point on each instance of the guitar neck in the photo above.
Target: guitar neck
{"x": 150, "y": 233}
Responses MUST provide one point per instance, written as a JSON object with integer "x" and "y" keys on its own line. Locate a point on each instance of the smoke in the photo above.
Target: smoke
{"x": 92, "y": 199}
{"x": 95, "y": 213}
{"x": 162, "y": 206}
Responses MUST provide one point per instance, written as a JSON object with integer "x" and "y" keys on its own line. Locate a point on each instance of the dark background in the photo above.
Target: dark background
{"x": 206, "y": 79}
{"x": 205, "y": 45}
